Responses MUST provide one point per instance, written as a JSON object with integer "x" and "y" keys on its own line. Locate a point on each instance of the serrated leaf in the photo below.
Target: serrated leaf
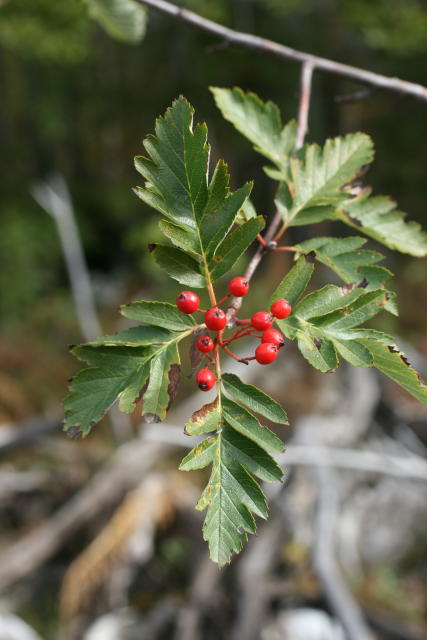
{"x": 295, "y": 282}
{"x": 245, "y": 423}
{"x": 318, "y": 175}
{"x": 246, "y": 212}
{"x": 201, "y": 456}
{"x": 254, "y": 399}
{"x": 180, "y": 266}
{"x": 123, "y": 19}
{"x": 393, "y": 363}
{"x": 113, "y": 371}
{"x": 258, "y": 121}
{"x": 181, "y": 237}
{"x": 232, "y": 247}
{"x": 200, "y": 213}
{"x": 237, "y": 452}
{"x": 165, "y": 371}
{"x": 216, "y": 224}
{"x": 204, "y": 420}
{"x": 123, "y": 373}
{"x": 378, "y": 218}
{"x": 327, "y": 322}
{"x": 318, "y": 351}
{"x": 136, "y": 337}
{"x": 160, "y": 314}
{"x": 251, "y": 456}
{"x": 348, "y": 260}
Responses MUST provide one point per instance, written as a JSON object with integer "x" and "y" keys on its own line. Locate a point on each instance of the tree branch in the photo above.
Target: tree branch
{"x": 281, "y": 51}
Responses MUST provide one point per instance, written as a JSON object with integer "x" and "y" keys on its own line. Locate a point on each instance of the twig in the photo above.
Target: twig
{"x": 270, "y": 236}
{"x": 28, "y": 431}
{"x": 131, "y": 462}
{"x": 54, "y": 198}
{"x": 205, "y": 583}
{"x": 409, "y": 467}
{"x": 279, "y": 50}
{"x": 340, "y": 599}
{"x": 253, "y": 572}
{"x": 304, "y": 104}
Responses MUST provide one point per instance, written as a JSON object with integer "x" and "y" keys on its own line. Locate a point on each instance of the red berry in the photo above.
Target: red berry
{"x": 187, "y": 301}
{"x": 215, "y": 319}
{"x": 265, "y": 353}
{"x": 261, "y": 320}
{"x": 272, "y": 336}
{"x": 205, "y": 344}
{"x": 205, "y": 379}
{"x": 281, "y": 309}
{"x": 238, "y": 287}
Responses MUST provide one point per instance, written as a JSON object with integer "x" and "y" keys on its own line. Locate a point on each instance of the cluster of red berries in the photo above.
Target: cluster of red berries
{"x": 216, "y": 320}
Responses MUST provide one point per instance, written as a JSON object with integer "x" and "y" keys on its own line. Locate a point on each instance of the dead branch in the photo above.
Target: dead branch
{"x": 130, "y": 463}
{"x": 270, "y": 47}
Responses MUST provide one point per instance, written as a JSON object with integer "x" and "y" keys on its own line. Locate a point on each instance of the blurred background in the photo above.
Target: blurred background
{"x": 83, "y": 553}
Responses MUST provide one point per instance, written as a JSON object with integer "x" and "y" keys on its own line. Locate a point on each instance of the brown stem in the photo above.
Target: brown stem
{"x": 281, "y": 51}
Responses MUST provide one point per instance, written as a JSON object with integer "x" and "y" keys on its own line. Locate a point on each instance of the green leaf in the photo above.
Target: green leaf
{"x": 251, "y": 456}
{"x": 122, "y": 19}
{"x": 160, "y": 314}
{"x": 180, "y": 266}
{"x": 295, "y": 282}
{"x": 113, "y": 372}
{"x": 216, "y": 224}
{"x": 124, "y": 373}
{"x": 233, "y": 246}
{"x": 245, "y": 423}
{"x": 246, "y": 212}
{"x": 318, "y": 175}
{"x": 348, "y": 260}
{"x": 378, "y": 218}
{"x": 201, "y": 456}
{"x": 181, "y": 237}
{"x": 204, "y": 420}
{"x": 238, "y": 452}
{"x": 200, "y": 213}
{"x": 327, "y": 322}
{"x": 258, "y": 121}
{"x": 136, "y": 337}
{"x": 254, "y": 399}
{"x": 165, "y": 371}
{"x": 393, "y": 363}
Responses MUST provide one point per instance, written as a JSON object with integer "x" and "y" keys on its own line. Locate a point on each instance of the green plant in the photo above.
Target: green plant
{"x": 209, "y": 228}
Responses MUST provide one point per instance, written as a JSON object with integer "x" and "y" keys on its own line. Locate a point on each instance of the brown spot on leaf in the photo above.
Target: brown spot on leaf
{"x": 150, "y": 418}
{"x": 352, "y": 220}
{"x": 151, "y": 246}
{"x": 363, "y": 284}
{"x": 174, "y": 378}
{"x": 203, "y": 411}
{"x": 346, "y": 288}
{"x": 405, "y": 360}
{"x": 392, "y": 349}
{"x": 317, "y": 342}
{"x": 73, "y": 433}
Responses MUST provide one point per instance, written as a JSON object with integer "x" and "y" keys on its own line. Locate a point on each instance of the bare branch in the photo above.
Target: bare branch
{"x": 304, "y": 104}
{"x": 53, "y": 196}
{"x": 340, "y": 599}
{"x": 279, "y": 50}
{"x": 410, "y": 467}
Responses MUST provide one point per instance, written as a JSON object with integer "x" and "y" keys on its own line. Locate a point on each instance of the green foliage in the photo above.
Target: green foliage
{"x": 209, "y": 228}
{"x": 201, "y": 211}
{"x": 122, "y": 19}
{"x": 238, "y": 452}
